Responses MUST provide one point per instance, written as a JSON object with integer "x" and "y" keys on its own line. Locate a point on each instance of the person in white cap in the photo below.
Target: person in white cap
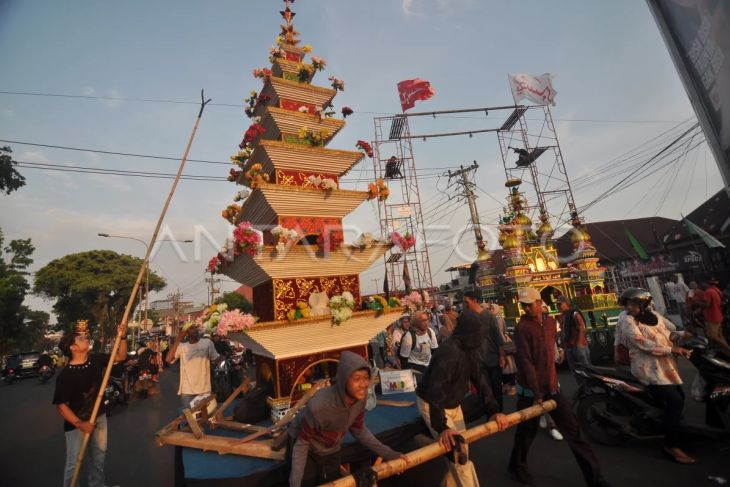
{"x": 537, "y": 381}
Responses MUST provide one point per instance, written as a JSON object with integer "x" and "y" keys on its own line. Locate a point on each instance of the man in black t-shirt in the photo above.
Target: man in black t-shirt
{"x": 77, "y": 387}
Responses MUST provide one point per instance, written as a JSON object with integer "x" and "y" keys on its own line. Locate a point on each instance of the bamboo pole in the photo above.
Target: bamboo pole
{"x": 140, "y": 275}
{"x": 435, "y": 449}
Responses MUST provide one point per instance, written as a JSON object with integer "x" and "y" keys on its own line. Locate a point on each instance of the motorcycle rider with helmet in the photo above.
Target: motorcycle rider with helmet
{"x": 651, "y": 349}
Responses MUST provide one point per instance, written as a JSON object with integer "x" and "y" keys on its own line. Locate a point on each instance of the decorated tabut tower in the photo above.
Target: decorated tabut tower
{"x": 288, "y": 238}
{"x": 529, "y": 256}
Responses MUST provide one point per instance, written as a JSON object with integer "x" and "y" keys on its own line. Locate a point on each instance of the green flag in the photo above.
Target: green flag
{"x": 708, "y": 239}
{"x": 636, "y": 245}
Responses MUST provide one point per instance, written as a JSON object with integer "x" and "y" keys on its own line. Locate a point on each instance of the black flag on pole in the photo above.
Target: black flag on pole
{"x": 406, "y": 278}
{"x": 386, "y": 287}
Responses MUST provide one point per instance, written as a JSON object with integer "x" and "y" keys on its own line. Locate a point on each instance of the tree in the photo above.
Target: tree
{"x": 93, "y": 285}
{"x": 10, "y": 179}
{"x": 235, "y": 301}
{"x": 13, "y": 288}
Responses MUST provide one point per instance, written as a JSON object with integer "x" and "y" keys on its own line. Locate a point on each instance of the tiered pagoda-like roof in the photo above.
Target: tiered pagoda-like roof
{"x": 291, "y": 195}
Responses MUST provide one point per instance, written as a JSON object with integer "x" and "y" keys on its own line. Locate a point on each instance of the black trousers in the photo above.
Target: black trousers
{"x": 673, "y": 398}
{"x": 319, "y": 469}
{"x": 567, "y": 425}
{"x": 495, "y": 380}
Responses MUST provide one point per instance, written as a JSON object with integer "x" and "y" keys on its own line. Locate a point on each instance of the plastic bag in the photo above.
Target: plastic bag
{"x": 698, "y": 388}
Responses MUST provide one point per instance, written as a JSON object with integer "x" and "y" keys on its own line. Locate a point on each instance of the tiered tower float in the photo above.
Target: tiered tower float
{"x": 530, "y": 258}
{"x": 526, "y": 231}
{"x": 288, "y": 241}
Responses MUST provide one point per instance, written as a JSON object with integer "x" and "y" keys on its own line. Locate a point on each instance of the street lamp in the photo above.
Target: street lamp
{"x": 147, "y": 264}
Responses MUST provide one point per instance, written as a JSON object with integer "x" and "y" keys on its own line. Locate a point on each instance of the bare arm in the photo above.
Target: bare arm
{"x": 71, "y": 417}
{"x": 122, "y": 350}
{"x": 170, "y": 357}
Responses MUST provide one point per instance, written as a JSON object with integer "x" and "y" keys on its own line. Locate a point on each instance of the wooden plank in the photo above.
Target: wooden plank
{"x": 396, "y": 404}
{"x": 193, "y": 423}
{"x": 223, "y": 445}
{"x": 236, "y": 426}
{"x": 289, "y": 414}
{"x": 435, "y": 449}
{"x": 218, "y": 414}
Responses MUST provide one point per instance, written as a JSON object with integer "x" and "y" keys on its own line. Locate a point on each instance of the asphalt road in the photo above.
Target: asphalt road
{"x": 32, "y": 449}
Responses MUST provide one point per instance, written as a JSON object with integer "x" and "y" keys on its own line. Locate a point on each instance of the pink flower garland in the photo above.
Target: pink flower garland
{"x": 248, "y": 240}
{"x": 231, "y": 321}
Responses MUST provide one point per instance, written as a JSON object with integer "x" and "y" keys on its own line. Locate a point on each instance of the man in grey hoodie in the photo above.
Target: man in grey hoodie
{"x": 319, "y": 429}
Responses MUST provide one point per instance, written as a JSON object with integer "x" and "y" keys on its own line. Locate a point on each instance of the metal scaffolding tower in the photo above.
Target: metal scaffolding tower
{"x": 394, "y": 162}
{"x": 533, "y": 155}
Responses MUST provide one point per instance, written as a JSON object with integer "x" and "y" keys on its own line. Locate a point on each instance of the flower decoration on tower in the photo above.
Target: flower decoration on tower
{"x": 378, "y": 303}
{"x": 342, "y": 307}
{"x": 214, "y": 265}
{"x": 233, "y": 321}
{"x": 242, "y": 156}
{"x": 261, "y": 73}
{"x": 347, "y": 111}
{"x": 318, "y": 63}
{"x": 403, "y": 242}
{"x": 301, "y": 310}
{"x": 284, "y": 237}
{"x": 315, "y": 138}
{"x": 337, "y": 84}
{"x": 231, "y": 213}
{"x": 253, "y": 132}
{"x": 365, "y": 147}
{"x": 246, "y": 238}
{"x": 276, "y": 52}
{"x": 256, "y": 176}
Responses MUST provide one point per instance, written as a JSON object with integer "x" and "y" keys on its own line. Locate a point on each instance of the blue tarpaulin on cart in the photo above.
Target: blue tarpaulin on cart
{"x": 212, "y": 465}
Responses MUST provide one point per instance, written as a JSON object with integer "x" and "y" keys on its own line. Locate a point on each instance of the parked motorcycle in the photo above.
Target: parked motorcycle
{"x": 613, "y": 406}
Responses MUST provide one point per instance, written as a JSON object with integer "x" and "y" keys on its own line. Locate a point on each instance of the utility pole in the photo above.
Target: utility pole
{"x": 213, "y": 290}
{"x": 175, "y": 299}
{"x": 468, "y": 193}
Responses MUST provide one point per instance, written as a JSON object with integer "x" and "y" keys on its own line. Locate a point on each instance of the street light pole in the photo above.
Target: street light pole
{"x": 147, "y": 266}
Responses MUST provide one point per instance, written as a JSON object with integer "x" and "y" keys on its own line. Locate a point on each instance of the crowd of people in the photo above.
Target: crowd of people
{"x": 456, "y": 353}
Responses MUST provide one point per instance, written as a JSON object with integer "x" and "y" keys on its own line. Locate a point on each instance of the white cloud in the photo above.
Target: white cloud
{"x": 32, "y": 156}
{"x": 407, "y": 5}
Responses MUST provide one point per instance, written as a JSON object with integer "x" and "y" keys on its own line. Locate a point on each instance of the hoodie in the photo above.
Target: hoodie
{"x": 321, "y": 426}
{"x": 454, "y": 365}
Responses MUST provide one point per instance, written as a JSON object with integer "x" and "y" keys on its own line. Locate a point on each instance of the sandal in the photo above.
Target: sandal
{"x": 679, "y": 456}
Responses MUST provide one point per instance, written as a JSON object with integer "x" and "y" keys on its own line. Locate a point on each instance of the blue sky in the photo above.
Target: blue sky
{"x": 609, "y": 62}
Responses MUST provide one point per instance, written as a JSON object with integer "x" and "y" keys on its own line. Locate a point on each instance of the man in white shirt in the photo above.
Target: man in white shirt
{"x": 680, "y": 291}
{"x": 417, "y": 345}
{"x": 195, "y": 357}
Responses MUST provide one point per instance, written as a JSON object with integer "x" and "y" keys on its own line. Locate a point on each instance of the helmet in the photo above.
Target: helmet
{"x": 642, "y": 297}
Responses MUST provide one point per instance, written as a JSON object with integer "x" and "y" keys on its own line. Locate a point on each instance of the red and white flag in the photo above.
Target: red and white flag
{"x": 412, "y": 90}
{"x": 537, "y": 89}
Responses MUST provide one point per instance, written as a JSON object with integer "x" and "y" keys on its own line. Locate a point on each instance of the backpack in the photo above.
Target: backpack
{"x": 412, "y": 332}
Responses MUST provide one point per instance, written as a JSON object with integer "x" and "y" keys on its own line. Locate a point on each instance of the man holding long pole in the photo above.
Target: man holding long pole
{"x": 76, "y": 389}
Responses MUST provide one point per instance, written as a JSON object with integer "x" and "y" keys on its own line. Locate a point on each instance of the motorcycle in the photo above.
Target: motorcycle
{"x": 9, "y": 375}
{"x": 116, "y": 391}
{"x": 613, "y": 406}
{"x": 143, "y": 384}
{"x": 222, "y": 380}
{"x": 45, "y": 373}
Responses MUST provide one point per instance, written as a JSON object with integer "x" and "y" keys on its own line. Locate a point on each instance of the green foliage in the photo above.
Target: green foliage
{"x": 235, "y": 301}
{"x": 10, "y": 179}
{"x": 17, "y": 322}
{"x": 81, "y": 285}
